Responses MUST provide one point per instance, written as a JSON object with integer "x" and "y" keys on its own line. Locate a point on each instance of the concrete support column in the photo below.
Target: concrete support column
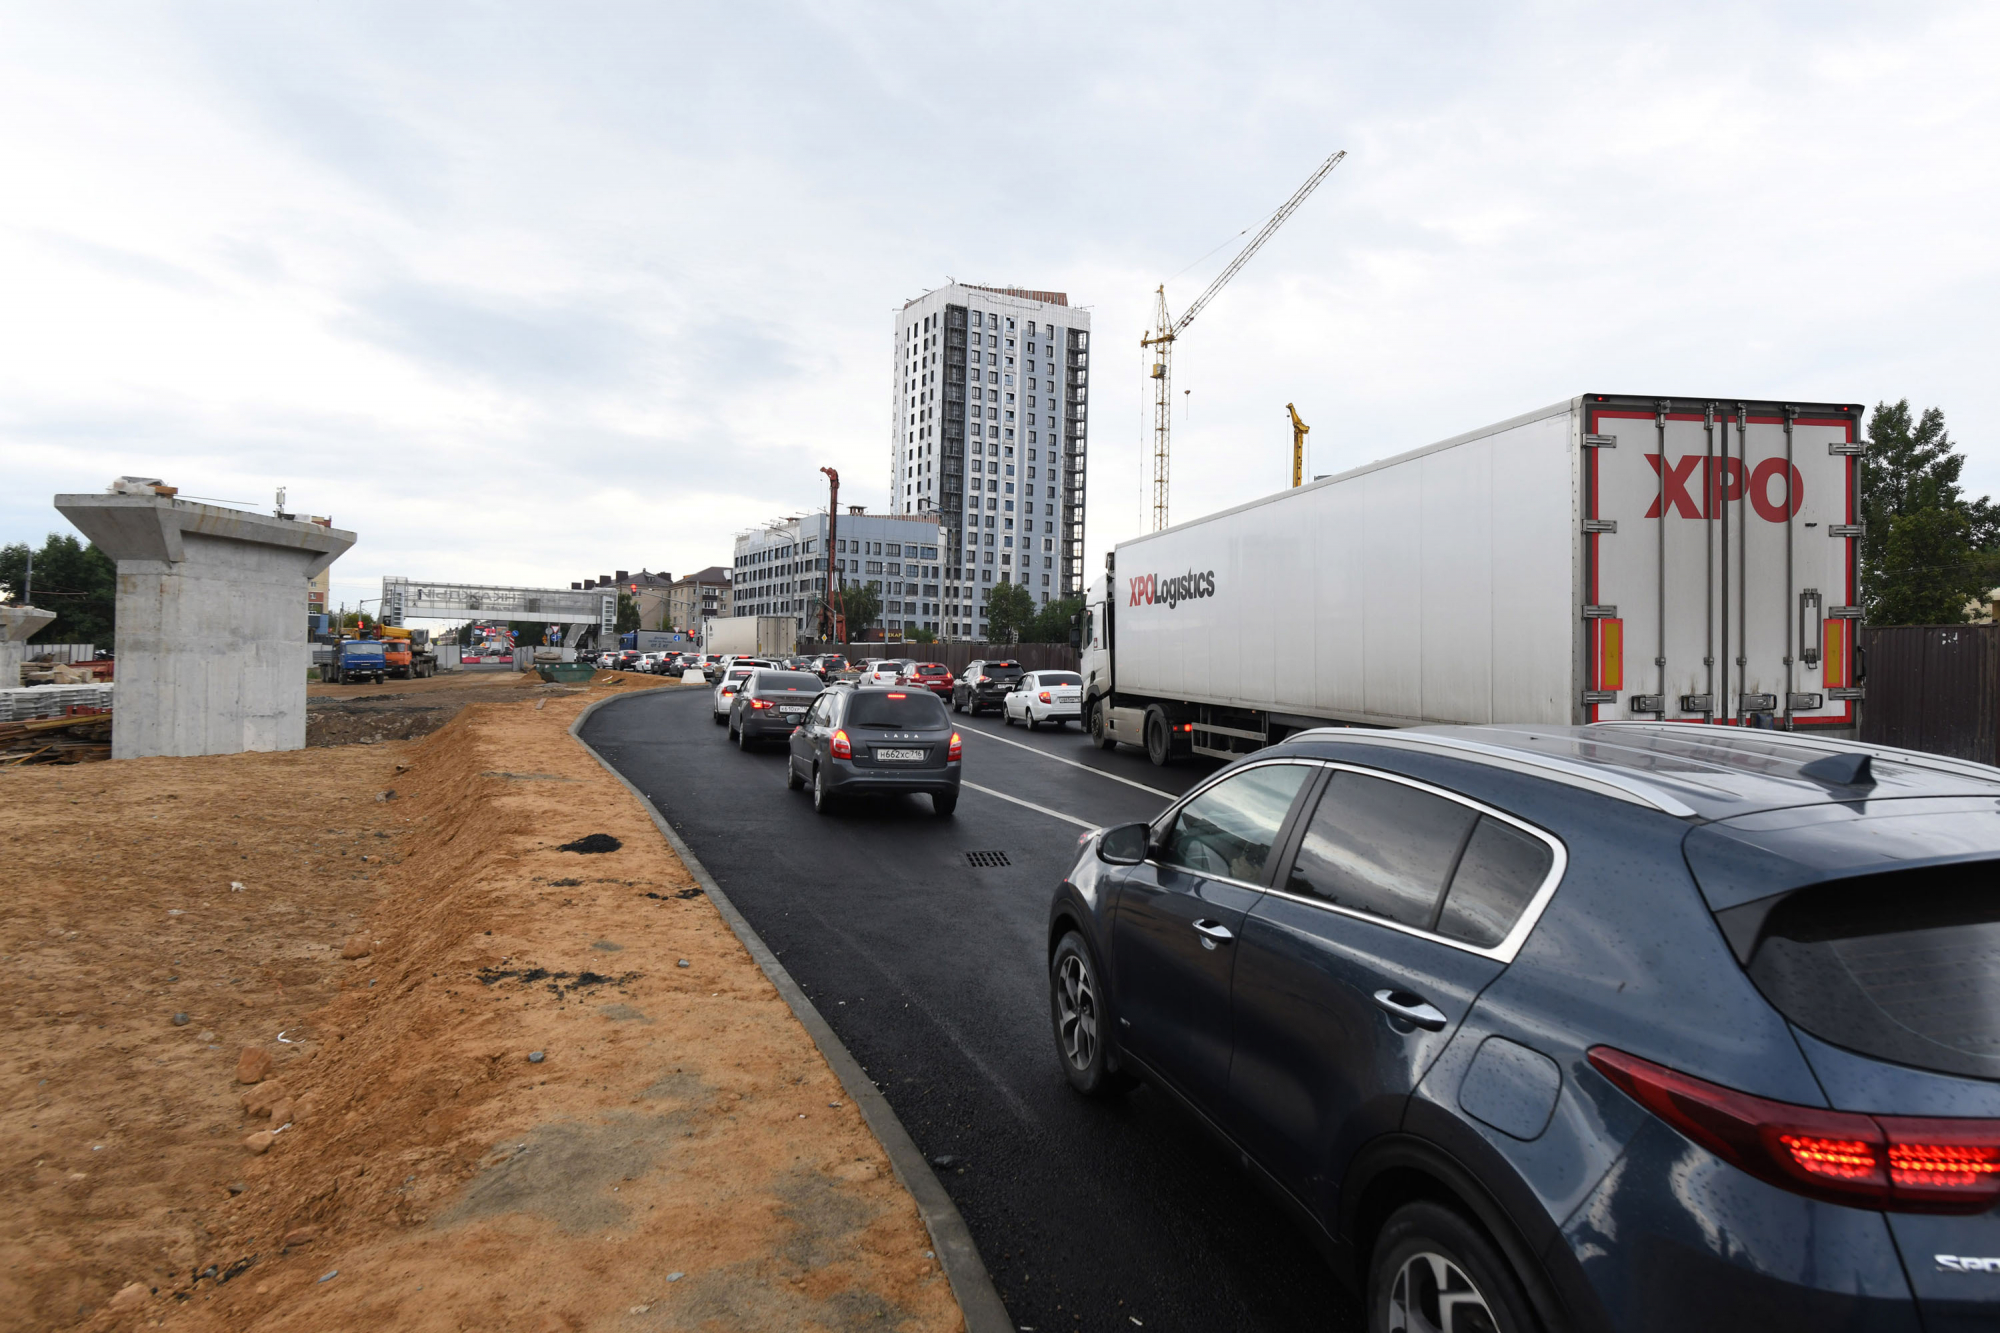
{"x": 17, "y": 624}
{"x": 211, "y": 612}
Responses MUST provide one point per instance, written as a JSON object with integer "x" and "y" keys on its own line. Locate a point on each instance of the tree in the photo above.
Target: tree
{"x": 77, "y": 582}
{"x": 1010, "y": 610}
{"x": 1052, "y": 622}
{"x": 862, "y": 604}
{"x": 921, "y": 635}
{"x": 1927, "y": 550}
{"x": 628, "y": 612}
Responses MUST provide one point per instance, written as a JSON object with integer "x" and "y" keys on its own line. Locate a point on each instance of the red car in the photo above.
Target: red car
{"x": 933, "y": 676}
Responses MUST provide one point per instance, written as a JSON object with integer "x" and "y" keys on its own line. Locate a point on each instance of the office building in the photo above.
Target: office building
{"x": 991, "y": 406}
{"x": 781, "y": 568}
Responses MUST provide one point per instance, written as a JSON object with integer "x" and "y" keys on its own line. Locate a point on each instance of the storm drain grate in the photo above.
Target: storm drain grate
{"x": 988, "y": 858}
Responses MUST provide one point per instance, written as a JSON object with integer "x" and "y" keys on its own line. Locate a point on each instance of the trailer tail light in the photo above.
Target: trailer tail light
{"x": 1894, "y": 1163}
{"x": 953, "y": 750}
{"x": 840, "y": 747}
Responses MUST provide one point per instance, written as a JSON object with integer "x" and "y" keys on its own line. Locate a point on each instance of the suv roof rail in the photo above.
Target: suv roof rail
{"x": 1618, "y": 786}
{"x": 1937, "y": 763}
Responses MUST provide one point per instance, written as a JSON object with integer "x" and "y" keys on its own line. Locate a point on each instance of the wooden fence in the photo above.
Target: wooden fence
{"x": 1935, "y": 688}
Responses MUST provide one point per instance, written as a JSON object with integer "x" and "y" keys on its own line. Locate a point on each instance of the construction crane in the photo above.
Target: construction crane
{"x": 1299, "y": 432}
{"x": 1167, "y": 329}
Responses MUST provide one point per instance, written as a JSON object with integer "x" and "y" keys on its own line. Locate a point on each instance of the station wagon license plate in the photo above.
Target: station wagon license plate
{"x": 899, "y": 756}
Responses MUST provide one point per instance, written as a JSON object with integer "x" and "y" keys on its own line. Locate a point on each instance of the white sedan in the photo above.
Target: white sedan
{"x": 1044, "y": 696}
{"x": 732, "y": 680}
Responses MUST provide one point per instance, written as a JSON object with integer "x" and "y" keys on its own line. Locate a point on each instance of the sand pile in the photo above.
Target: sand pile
{"x": 517, "y": 1087}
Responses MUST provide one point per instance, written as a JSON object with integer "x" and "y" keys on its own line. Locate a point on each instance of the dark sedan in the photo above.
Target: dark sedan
{"x": 1628, "y": 1026}
{"x": 984, "y": 685}
{"x": 871, "y": 740}
{"x": 769, "y": 704}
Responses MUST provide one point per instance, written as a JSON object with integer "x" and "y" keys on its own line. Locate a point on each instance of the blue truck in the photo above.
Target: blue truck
{"x": 356, "y": 659}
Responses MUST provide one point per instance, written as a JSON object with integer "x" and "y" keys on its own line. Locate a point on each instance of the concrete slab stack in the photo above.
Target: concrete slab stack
{"x": 211, "y": 621}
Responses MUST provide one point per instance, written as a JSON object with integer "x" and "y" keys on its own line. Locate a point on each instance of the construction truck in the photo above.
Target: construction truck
{"x": 408, "y": 653}
{"x": 356, "y": 659}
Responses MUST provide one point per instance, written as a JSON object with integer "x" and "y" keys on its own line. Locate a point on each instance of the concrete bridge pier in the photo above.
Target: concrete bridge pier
{"x": 17, "y": 625}
{"x": 211, "y": 607}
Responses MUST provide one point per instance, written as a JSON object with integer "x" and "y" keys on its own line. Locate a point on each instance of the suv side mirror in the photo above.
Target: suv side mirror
{"x": 1125, "y": 845}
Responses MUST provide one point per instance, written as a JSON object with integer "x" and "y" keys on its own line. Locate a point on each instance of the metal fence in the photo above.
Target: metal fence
{"x": 1031, "y": 656}
{"x": 1933, "y": 688}
{"x": 64, "y": 653}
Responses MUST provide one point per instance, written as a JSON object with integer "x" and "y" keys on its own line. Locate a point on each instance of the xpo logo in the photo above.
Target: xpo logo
{"x": 1697, "y": 486}
{"x": 1151, "y": 589}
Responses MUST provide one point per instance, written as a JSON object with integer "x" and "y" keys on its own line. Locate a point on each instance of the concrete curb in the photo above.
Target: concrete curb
{"x": 951, "y": 1239}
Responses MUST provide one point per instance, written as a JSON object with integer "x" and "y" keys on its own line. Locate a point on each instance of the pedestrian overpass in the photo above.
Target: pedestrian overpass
{"x": 419, "y": 599}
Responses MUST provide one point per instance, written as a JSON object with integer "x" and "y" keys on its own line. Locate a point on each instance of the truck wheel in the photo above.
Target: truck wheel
{"x": 1159, "y": 740}
{"x": 1100, "y": 722}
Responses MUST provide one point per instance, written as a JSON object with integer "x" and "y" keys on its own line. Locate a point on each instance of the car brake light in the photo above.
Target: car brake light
{"x": 953, "y": 750}
{"x": 840, "y": 747}
{"x": 1895, "y": 1163}
{"x": 760, "y": 703}
{"x": 899, "y": 696}
{"x": 1045, "y": 696}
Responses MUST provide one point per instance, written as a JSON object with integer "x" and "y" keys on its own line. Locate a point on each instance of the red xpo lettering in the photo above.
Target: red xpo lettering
{"x": 1721, "y": 484}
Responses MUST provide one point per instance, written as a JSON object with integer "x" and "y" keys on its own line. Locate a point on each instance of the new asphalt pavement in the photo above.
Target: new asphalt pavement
{"x": 932, "y": 968}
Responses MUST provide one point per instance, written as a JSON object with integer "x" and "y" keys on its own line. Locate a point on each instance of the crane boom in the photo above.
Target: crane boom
{"x": 1167, "y": 329}
{"x": 1269, "y": 229}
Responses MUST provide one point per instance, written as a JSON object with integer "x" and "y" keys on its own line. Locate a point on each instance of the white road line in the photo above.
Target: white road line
{"x": 1031, "y": 749}
{"x": 1041, "y": 809}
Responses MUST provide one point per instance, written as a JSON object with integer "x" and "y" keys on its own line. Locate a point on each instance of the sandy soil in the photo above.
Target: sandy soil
{"x": 401, "y": 710}
{"x": 680, "y": 1158}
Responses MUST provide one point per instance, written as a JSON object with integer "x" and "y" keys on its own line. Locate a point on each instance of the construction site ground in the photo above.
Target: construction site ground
{"x": 400, "y": 710}
{"x": 509, "y": 1087}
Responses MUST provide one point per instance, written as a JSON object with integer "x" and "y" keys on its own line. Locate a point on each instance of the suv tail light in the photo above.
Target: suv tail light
{"x": 840, "y": 747}
{"x": 1899, "y": 1164}
{"x": 953, "y": 750}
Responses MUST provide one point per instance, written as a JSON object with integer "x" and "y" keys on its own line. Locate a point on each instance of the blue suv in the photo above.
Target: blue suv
{"x": 1626, "y": 1026}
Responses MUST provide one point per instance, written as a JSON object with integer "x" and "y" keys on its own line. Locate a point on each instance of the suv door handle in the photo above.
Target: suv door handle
{"x": 1411, "y": 1009}
{"x": 1212, "y": 933}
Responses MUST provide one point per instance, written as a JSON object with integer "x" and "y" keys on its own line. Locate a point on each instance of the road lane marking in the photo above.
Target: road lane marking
{"x": 1155, "y": 791}
{"x": 1042, "y": 809}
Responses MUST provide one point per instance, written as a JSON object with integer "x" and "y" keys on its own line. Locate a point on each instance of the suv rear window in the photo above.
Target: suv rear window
{"x": 1903, "y": 966}
{"x": 904, "y": 710}
{"x": 1001, "y": 670}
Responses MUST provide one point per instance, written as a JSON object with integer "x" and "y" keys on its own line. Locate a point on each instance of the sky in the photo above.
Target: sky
{"x": 528, "y": 293}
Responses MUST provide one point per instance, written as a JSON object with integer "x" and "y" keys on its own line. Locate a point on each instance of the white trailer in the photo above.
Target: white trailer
{"x": 751, "y": 636}
{"x": 1608, "y": 557}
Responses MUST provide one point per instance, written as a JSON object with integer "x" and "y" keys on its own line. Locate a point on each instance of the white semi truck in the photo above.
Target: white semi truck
{"x": 751, "y": 636}
{"x": 1612, "y": 556}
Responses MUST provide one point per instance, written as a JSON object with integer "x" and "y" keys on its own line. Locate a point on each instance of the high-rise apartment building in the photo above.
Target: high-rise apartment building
{"x": 992, "y": 399}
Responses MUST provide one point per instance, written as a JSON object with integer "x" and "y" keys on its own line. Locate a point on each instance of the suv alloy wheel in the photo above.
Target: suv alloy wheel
{"x": 1434, "y": 1272}
{"x": 1076, "y": 1010}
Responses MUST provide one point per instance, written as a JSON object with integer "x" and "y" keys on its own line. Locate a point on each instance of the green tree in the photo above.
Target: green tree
{"x": 1052, "y": 622}
{"x": 77, "y": 582}
{"x": 1010, "y": 610}
{"x": 628, "y": 612}
{"x": 921, "y": 635}
{"x": 862, "y": 604}
{"x": 1927, "y": 549}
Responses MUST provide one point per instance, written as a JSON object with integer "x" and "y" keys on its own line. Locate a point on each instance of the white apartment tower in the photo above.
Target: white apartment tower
{"x": 991, "y": 401}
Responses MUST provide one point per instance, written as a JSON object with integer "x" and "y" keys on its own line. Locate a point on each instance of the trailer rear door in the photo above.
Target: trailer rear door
{"x": 1720, "y": 560}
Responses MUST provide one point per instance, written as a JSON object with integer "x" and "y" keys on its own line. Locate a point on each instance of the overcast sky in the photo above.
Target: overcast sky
{"x": 524, "y": 293}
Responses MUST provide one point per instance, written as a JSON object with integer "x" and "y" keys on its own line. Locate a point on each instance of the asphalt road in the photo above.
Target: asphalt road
{"x": 1090, "y": 1215}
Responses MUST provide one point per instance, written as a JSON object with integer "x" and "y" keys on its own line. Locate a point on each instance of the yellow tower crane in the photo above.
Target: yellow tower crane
{"x": 1167, "y": 329}
{"x": 1299, "y": 432}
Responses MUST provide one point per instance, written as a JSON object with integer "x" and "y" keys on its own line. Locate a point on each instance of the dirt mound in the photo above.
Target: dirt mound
{"x": 506, "y": 1103}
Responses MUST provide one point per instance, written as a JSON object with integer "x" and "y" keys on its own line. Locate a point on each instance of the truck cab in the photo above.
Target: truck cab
{"x": 356, "y": 659}
{"x": 1093, "y": 649}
